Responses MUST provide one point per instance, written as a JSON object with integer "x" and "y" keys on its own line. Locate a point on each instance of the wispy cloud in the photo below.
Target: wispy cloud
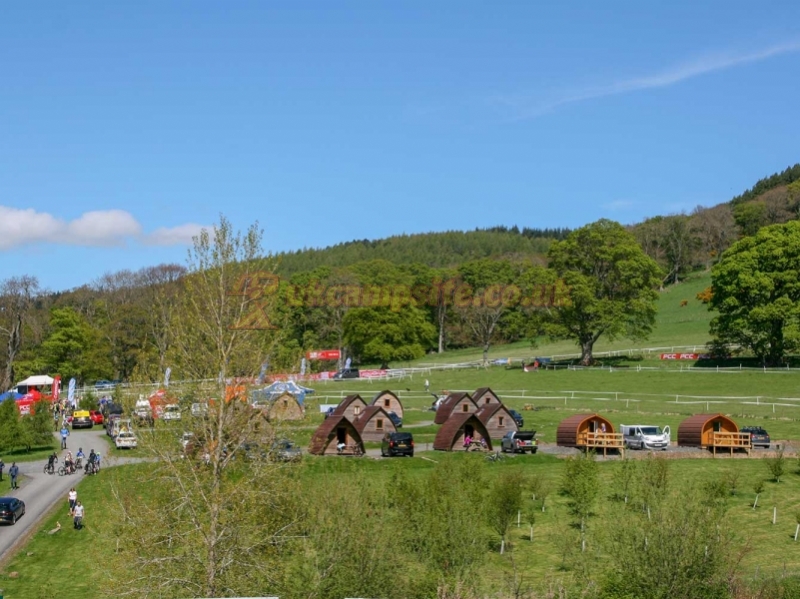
{"x": 99, "y": 228}
{"x": 529, "y": 107}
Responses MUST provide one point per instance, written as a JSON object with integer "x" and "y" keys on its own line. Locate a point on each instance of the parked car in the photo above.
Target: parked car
{"x": 285, "y": 451}
{"x": 126, "y": 440}
{"x": 346, "y": 373}
{"x": 119, "y": 425}
{"x": 396, "y": 420}
{"x": 394, "y": 444}
{"x": 11, "y": 509}
{"x": 97, "y": 417}
{"x": 82, "y": 419}
{"x": 104, "y": 385}
{"x": 519, "y": 442}
{"x": 186, "y": 438}
{"x": 758, "y": 436}
{"x": 517, "y": 418}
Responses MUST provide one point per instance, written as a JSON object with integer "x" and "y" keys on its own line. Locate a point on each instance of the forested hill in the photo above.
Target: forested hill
{"x": 437, "y": 250}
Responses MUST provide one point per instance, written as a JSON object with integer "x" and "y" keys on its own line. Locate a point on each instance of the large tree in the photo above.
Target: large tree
{"x": 17, "y": 295}
{"x": 610, "y": 286}
{"x": 756, "y": 290}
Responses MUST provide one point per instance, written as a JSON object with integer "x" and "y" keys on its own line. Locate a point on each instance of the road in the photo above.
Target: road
{"x": 41, "y": 491}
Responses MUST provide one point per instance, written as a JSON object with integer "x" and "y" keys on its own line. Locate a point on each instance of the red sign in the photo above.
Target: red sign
{"x": 324, "y": 354}
{"x": 684, "y": 356}
{"x": 371, "y": 374}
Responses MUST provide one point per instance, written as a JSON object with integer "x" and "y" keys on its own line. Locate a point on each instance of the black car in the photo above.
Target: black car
{"x": 11, "y": 509}
{"x": 758, "y": 436}
{"x": 346, "y": 373}
{"x": 517, "y": 418}
{"x": 396, "y": 420}
{"x": 394, "y": 444}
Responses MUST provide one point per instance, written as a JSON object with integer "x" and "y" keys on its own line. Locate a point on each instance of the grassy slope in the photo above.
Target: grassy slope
{"x": 675, "y": 326}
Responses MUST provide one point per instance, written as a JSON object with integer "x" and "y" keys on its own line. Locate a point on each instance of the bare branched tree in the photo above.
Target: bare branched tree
{"x": 217, "y": 512}
{"x": 16, "y": 299}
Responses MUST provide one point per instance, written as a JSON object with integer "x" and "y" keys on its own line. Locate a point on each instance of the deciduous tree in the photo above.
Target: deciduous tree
{"x": 610, "y": 284}
{"x": 756, "y": 290}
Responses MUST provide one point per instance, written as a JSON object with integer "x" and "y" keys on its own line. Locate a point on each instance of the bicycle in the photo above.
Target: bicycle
{"x": 49, "y": 469}
{"x": 495, "y": 457}
{"x": 91, "y": 468}
{"x": 64, "y": 470}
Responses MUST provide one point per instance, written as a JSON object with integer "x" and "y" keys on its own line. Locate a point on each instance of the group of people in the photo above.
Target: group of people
{"x": 469, "y": 441}
{"x": 75, "y": 509}
{"x": 71, "y": 465}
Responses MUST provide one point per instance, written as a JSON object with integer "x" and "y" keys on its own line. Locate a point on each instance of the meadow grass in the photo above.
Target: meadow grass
{"x": 70, "y": 563}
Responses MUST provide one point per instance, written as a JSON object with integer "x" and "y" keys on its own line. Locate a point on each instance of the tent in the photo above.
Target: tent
{"x": 10, "y": 395}
{"x": 40, "y": 380}
{"x": 277, "y": 388}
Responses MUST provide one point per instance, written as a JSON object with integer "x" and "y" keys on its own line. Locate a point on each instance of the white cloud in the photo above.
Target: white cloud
{"x": 99, "y": 228}
{"x": 180, "y": 235}
{"x": 529, "y": 108}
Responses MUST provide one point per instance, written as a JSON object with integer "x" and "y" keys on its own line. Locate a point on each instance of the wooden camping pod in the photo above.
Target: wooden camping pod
{"x": 388, "y": 401}
{"x": 455, "y": 403}
{"x": 715, "y": 431}
{"x": 588, "y": 431}
{"x": 333, "y": 430}
{"x": 351, "y": 406}
{"x": 373, "y": 423}
{"x": 484, "y": 396}
{"x": 284, "y": 407}
{"x": 451, "y": 435}
{"x": 497, "y": 419}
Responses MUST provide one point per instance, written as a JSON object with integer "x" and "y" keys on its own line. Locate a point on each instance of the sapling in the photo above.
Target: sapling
{"x": 758, "y": 488}
{"x": 777, "y": 465}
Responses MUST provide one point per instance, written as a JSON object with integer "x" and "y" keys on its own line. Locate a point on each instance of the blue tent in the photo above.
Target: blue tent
{"x": 277, "y": 388}
{"x": 10, "y": 395}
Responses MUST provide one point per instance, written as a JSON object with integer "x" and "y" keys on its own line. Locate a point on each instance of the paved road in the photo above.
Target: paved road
{"x": 41, "y": 491}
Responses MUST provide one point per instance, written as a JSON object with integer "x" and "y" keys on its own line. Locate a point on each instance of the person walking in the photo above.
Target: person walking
{"x": 64, "y": 435}
{"x": 2, "y": 465}
{"x": 13, "y": 472}
{"x": 427, "y": 385}
{"x": 72, "y": 498}
{"x": 77, "y": 516}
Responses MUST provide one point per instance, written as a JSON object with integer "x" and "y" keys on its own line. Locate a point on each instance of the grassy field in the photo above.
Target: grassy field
{"x": 676, "y": 325}
{"x": 69, "y": 563}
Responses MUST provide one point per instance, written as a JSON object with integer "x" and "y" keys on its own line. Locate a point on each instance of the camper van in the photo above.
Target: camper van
{"x": 645, "y": 436}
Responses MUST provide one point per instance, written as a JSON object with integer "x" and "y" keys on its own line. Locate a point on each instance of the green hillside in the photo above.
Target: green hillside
{"x": 676, "y": 325}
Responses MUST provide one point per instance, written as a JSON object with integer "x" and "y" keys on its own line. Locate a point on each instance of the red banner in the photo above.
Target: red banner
{"x": 684, "y": 356}
{"x": 371, "y": 374}
{"x": 324, "y": 354}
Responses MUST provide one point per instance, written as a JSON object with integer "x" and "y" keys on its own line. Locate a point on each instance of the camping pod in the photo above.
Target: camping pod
{"x": 712, "y": 431}
{"x": 333, "y": 431}
{"x": 588, "y": 431}
{"x": 284, "y": 407}
{"x": 455, "y": 403}
{"x": 484, "y": 396}
{"x": 453, "y": 434}
{"x": 389, "y": 402}
{"x": 351, "y": 406}
{"x": 373, "y": 423}
{"x": 497, "y": 419}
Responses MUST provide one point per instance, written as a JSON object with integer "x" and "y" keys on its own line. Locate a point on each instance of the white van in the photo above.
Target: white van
{"x": 645, "y": 436}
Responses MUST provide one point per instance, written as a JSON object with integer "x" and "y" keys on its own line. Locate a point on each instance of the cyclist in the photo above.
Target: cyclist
{"x": 69, "y": 465}
{"x": 79, "y": 457}
{"x": 91, "y": 462}
{"x": 51, "y": 462}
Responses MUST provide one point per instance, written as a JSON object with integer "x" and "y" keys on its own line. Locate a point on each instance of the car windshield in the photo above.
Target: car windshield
{"x": 402, "y": 437}
{"x": 651, "y": 430}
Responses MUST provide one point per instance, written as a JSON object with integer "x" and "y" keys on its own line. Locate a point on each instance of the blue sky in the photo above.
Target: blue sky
{"x": 127, "y": 126}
